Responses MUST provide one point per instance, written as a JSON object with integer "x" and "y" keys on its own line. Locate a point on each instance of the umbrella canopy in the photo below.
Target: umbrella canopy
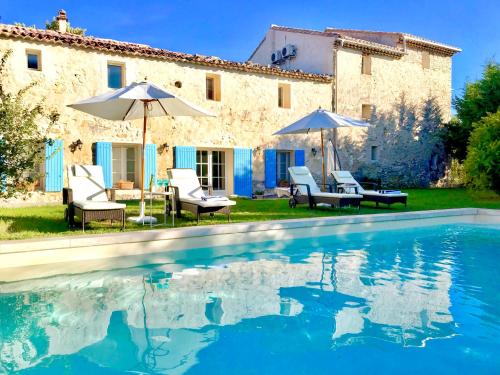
{"x": 317, "y": 121}
{"x": 136, "y": 101}
{"x": 330, "y": 158}
{"x": 127, "y": 103}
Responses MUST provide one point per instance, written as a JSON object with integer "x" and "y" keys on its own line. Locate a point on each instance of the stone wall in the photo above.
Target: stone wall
{"x": 247, "y": 115}
{"x": 391, "y": 81}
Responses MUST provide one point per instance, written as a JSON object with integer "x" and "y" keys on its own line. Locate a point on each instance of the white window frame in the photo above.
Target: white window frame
{"x": 122, "y": 148}
{"x": 210, "y": 169}
{"x": 278, "y": 163}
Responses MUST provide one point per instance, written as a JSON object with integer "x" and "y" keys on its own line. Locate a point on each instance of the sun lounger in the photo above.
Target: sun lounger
{"x": 346, "y": 182}
{"x": 189, "y": 195}
{"x": 87, "y": 198}
{"x": 305, "y": 190}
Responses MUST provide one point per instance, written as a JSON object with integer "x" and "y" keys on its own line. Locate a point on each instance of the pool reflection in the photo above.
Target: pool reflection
{"x": 153, "y": 319}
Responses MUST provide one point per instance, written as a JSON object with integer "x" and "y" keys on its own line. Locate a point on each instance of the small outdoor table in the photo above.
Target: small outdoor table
{"x": 167, "y": 196}
{"x": 344, "y": 187}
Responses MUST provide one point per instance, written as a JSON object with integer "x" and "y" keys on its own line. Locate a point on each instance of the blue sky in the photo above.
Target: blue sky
{"x": 232, "y": 29}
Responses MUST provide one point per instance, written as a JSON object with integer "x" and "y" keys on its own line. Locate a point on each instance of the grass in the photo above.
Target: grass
{"x": 47, "y": 221}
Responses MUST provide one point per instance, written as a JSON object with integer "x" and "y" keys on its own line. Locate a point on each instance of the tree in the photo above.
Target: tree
{"x": 21, "y": 137}
{"x": 479, "y": 98}
{"x": 54, "y": 25}
{"x": 482, "y": 166}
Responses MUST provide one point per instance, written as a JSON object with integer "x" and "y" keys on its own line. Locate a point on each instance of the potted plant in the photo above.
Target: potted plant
{"x": 258, "y": 194}
{"x": 125, "y": 185}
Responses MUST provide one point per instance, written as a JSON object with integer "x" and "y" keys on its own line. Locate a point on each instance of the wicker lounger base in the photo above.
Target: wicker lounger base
{"x": 388, "y": 200}
{"x": 333, "y": 201}
{"x": 198, "y": 210}
{"x": 86, "y": 216}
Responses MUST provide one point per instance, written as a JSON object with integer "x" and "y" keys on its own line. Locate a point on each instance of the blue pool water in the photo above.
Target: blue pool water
{"x": 419, "y": 301}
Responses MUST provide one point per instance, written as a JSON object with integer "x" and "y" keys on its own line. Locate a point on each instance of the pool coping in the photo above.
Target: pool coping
{"x": 27, "y": 259}
{"x": 120, "y": 238}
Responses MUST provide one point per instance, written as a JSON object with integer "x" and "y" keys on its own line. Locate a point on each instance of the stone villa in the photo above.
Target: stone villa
{"x": 291, "y": 73}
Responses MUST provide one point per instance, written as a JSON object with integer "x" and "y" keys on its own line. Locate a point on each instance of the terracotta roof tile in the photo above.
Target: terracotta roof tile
{"x": 134, "y": 49}
{"x": 344, "y": 34}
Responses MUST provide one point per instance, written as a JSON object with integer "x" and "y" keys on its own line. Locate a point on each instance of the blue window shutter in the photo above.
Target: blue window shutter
{"x": 270, "y": 168}
{"x": 104, "y": 158}
{"x": 185, "y": 157}
{"x": 54, "y": 168}
{"x": 150, "y": 165}
{"x": 243, "y": 171}
{"x": 300, "y": 158}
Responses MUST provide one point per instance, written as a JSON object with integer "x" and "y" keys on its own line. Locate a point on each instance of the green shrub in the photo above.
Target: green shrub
{"x": 478, "y": 99}
{"x": 482, "y": 165}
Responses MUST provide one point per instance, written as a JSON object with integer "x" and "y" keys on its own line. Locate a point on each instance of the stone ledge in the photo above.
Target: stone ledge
{"x": 25, "y": 259}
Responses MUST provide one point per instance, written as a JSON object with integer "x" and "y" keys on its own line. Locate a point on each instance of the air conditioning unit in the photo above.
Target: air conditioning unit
{"x": 276, "y": 57}
{"x": 289, "y": 51}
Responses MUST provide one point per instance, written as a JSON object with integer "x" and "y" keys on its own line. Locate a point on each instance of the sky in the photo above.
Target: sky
{"x": 232, "y": 29}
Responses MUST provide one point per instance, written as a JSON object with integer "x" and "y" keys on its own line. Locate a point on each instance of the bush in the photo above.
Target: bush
{"x": 479, "y": 98}
{"x": 22, "y": 138}
{"x": 482, "y": 165}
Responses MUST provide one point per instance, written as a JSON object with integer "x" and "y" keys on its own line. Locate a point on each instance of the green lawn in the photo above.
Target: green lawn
{"x": 29, "y": 222}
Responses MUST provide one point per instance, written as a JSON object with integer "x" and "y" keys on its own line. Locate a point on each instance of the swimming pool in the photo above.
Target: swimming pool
{"x": 421, "y": 300}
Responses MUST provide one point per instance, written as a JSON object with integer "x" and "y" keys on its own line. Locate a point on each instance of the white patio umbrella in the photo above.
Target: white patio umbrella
{"x": 330, "y": 158}
{"x": 139, "y": 100}
{"x": 319, "y": 120}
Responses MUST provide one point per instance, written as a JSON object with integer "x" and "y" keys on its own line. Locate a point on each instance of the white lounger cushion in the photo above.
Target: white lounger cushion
{"x": 87, "y": 183}
{"x": 373, "y": 192}
{"x": 187, "y": 182}
{"x": 209, "y": 203}
{"x": 302, "y": 175}
{"x": 336, "y": 195}
{"x": 96, "y": 205}
{"x": 190, "y": 190}
{"x": 345, "y": 177}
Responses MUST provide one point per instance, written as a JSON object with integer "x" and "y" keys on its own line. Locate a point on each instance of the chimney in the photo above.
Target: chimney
{"x": 62, "y": 21}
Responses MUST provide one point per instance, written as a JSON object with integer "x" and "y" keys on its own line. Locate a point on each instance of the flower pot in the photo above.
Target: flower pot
{"x": 125, "y": 185}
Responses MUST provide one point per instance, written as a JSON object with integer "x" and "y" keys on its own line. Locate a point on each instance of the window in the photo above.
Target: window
{"x": 366, "y": 64}
{"x": 366, "y": 112}
{"x": 284, "y": 96}
{"x": 374, "y": 153}
{"x": 426, "y": 60}
{"x": 116, "y": 75}
{"x": 282, "y": 165}
{"x": 213, "y": 87}
{"x": 125, "y": 159}
{"x": 34, "y": 59}
{"x": 211, "y": 168}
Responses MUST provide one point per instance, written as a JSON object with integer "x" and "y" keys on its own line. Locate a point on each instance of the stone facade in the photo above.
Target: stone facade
{"x": 74, "y": 68}
{"x": 246, "y": 116}
{"x": 396, "y": 71}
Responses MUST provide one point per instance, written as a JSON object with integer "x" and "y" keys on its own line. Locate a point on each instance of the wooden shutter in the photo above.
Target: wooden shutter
{"x": 149, "y": 165}
{"x": 270, "y": 168}
{"x": 185, "y": 157}
{"x": 300, "y": 158}
{"x": 54, "y": 165}
{"x": 243, "y": 171}
{"x": 366, "y": 64}
{"x": 104, "y": 157}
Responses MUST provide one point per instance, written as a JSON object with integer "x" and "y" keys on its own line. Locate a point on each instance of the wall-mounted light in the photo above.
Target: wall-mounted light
{"x": 165, "y": 147}
{"x": 76, "y": 145}
{"x": 314, "y": 151}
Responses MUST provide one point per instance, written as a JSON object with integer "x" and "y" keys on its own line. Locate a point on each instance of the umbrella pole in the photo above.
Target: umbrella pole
{"x": 323, "y": 159}
{"x": 334, "y": 149}
{"x": 142, "y": 208}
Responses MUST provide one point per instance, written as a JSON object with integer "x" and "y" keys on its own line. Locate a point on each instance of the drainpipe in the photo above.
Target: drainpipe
{"x": 335, "y": 96}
